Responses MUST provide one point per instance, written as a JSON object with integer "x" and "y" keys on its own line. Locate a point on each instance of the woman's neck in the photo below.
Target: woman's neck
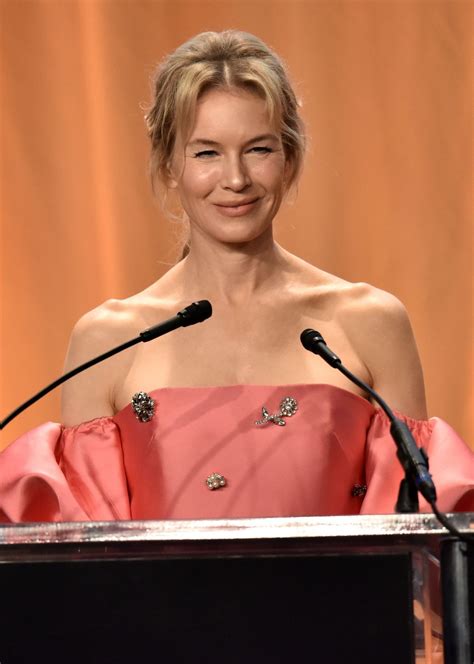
{"x": 233, "y": 273}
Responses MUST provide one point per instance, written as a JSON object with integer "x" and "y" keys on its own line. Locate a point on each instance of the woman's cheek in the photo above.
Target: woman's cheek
{"x": 272, "y": 168}
{"x": 206, "y": 176}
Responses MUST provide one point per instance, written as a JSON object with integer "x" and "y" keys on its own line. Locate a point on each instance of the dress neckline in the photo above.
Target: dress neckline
{"x": 356, "y": 399}
{"x": 287, "y": 388}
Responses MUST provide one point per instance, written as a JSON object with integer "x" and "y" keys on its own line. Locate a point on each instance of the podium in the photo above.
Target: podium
{"x": 343, "y": 589}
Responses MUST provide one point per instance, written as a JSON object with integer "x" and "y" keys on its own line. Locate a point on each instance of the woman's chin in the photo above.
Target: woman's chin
{"x": 243, "y": 236}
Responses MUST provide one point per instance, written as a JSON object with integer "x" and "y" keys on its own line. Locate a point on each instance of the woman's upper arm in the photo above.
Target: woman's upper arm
{"x": 387, "y": 346}
{"x": 90, "y": 394}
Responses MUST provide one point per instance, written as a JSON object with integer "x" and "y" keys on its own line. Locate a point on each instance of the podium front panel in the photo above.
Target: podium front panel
{"x": 334, "y": 589}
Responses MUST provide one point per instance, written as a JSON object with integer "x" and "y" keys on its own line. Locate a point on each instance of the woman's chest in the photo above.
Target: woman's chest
{"x": 265, "y": 351}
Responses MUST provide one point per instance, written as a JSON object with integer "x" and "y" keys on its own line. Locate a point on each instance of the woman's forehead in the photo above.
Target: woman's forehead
{"x": 235, "y": 112}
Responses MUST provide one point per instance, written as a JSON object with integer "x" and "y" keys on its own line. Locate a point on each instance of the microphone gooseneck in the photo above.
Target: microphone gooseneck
{"x": 413, "y": 459}
{"x": 194, "y": 313}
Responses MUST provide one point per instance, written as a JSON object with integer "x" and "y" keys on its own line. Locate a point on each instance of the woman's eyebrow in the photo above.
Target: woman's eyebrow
{"x": 255, "y": 139}
{"x": 203, "y": 141}
{"x": 263, "y": 137}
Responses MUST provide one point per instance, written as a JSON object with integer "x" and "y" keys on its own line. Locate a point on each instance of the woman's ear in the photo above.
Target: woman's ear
{"x": 289, "y": 173}
{"x": 170, "y": 178}
{"x": 175, "y": 165}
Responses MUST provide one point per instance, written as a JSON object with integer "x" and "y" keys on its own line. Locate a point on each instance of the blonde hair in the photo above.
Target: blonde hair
{"x": 220, "y": 60}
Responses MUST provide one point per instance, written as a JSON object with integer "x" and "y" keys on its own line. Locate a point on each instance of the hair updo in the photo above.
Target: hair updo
{"x": 229, "y": 59}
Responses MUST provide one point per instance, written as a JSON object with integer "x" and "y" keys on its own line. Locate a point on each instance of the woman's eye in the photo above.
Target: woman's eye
{"x": 261, "y": 149}
{"x": 203, "y": 154}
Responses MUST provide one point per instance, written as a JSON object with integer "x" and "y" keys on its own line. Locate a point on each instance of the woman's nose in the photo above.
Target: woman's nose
{"x": 235, "y": 175}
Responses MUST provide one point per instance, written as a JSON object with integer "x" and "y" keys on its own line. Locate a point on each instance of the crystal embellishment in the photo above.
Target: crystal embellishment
{"x": 215, "y": 481}
{"x": 359, "y": 490}
{"x": 288, "y": 408}
{"x": 143, "y": 406}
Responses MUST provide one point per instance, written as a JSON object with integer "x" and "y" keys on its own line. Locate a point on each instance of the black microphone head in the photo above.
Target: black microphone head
{"x": 310, "y": 339}
{"x": 195, "y": 313}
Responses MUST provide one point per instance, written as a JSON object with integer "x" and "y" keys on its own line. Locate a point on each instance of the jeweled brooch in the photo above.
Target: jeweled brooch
{"x": 143, "y": 406}
{"x": 359, "y": 490}
{"x": 288, "y": 408}
{"x": 215, "y": 481}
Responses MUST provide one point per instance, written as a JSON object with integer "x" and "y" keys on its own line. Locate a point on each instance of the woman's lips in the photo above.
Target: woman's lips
{"x": 237, "y": 210}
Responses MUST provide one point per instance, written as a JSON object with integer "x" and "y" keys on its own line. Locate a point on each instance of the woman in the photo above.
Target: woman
{"x": 233, "y": 417}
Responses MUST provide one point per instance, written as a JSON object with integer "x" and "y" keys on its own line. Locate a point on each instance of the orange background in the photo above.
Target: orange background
{"x": 385, "y": 196}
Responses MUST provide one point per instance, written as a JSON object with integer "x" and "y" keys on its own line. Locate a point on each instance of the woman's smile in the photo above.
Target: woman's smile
{"x": 237, "y": 209}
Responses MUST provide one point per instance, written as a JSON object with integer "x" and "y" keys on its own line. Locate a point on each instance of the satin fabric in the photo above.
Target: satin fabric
{"x": 121, "y": 468}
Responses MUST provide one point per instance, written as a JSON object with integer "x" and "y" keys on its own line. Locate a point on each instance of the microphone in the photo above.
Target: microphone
{"x": 194, "y": 313}
{"x": 314, "y": 342}
{"x": 413, "y": 459}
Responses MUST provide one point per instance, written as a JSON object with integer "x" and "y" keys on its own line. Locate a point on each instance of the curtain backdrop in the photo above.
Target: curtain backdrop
{"x": 385, "y": 196}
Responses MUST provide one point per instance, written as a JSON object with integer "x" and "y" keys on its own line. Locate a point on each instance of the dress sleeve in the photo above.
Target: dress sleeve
{"x": 451, "y": 465}
{"x": 54, "y": 473}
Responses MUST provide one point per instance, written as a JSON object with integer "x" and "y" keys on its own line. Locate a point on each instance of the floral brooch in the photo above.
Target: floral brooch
{"x": 143, "y": 406}
{"x": 288, "y": 408}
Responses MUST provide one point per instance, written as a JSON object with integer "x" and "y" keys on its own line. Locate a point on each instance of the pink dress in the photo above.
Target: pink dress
{"x": 334, "y": 455}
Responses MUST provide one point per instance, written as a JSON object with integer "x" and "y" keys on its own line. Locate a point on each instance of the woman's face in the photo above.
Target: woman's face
{"x": 230, "y": 175}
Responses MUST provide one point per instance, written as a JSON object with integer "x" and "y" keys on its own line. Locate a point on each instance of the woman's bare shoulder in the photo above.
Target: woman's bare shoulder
{"x": 117, "y": 320}
{"x": 345, "y": 298}
{"x": 373, "y": 319}
{"x": 108, "y": 324}
{"x": 378, "y": 330}
{"x": 369, "y": 304}
{"x": 378, "y": 325}
{"x": 91, "y": 394}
